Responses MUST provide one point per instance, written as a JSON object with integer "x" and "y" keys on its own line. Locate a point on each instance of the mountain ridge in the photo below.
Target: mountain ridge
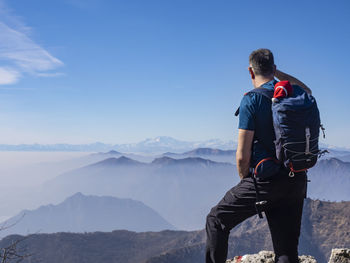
{"x": 157, "y": 144}
{"x": 112, "y": 161}
{"x": 189, "y": 246}
{"x": 186, "y": 161}
{"x": 87, "y": 213}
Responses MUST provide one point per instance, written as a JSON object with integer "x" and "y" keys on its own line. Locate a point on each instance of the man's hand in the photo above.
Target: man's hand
{"x": 294, "y": 81}
{"x": 244, "y": 150}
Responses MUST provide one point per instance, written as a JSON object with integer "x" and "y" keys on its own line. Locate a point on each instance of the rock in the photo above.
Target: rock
{"x": 262, "y": 256}
{"x": 340, "y": 255}
{"x": 267, "y": 257}
{"x": 307, "y": 259}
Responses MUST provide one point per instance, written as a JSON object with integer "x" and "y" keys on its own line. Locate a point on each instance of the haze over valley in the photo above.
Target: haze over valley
{"x": 181, "y": 187}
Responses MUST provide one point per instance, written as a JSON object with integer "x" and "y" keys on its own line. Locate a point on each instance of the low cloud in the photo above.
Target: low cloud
{"x": 8, "y": 76}
{"x": 20, "y": 55}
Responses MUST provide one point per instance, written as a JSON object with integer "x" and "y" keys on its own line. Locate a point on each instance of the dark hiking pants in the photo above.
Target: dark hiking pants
{"x": 283, "y": 210}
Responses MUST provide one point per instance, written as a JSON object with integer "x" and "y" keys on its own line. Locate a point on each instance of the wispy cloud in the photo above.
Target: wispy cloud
{"x": 48, "y": 75}
{"x": 19, "y": 54}
{"x": 8, "y": 76}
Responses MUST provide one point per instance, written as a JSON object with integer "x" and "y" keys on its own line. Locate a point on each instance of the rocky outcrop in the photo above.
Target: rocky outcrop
{"x": 266, "y": 257}
{"x": 340, "y": 255}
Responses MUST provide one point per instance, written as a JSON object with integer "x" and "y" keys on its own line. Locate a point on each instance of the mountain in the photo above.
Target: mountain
{"x": 330, "y": 180}
{"x": 220, "y": 155}
{"x": 333, "y": 165}
{"x": 325, "y": 225}
{"x": 173, "y": 187}
{"x": 345, "y": 157}
{"x": 210, "y": 152}
{"x": 108, "y": 154}
{"x": 121, "y": 161}
{"x": 164, "y": 143}
{"x": 339, "y": 153}
{"x": 190, "y": 161}
{"x": 207, "y": 152}
{"x": 151, "y": 145}
{"x": 213, "y": 154}
{"x": 138, "y": 157}
{"x": 117, "y": 246}
{"x": 334, "y": 148}
{"x": 81, "y": 213}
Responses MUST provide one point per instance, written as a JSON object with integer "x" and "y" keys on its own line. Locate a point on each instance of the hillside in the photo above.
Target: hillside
{"x": 81, "y": 213}
{"x": 325, "y": 225}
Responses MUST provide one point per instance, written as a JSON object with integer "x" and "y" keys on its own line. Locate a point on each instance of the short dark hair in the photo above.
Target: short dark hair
{"x": 262, "y": 62}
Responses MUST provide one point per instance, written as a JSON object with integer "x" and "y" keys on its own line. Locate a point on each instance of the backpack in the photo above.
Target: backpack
{"x": 296, "y": 122}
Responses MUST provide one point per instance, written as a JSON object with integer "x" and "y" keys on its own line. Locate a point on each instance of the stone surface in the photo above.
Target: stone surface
{"x": 266, "y": 257}
{"x": 340, "y": 255}
{"x": 307, "y": 259}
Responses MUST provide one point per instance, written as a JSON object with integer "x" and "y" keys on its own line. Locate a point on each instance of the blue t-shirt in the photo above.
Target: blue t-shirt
{"x": 255, "y": 114}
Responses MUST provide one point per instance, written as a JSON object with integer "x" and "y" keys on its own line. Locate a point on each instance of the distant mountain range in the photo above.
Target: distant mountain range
{"x": 190, "y": 161}
{"x": 155, "y": 145}
{"x": 325, "y": 225}
{"x": 208, "y": 153}
{"x": 158, "y": 144}
{"x": 170, "y": 186}
{"x": 175, "y": 186}
{"x": 330, "y": 180}
{"x": 81, "y": 213}
{"x": 204, "y": 152}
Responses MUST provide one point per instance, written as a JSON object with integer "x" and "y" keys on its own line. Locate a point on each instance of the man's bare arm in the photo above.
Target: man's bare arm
{"x": 284, "y": 76}
{"x": 244, "y": 150}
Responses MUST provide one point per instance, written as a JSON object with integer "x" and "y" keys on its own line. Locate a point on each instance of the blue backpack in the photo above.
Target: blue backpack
{"x": 296, "y": 122}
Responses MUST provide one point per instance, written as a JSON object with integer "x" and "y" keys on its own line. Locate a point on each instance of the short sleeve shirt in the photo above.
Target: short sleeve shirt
{"x": 255, "y": 114}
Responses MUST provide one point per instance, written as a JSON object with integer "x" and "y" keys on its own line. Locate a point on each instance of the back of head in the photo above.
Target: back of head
{"x": 262, "y": 62}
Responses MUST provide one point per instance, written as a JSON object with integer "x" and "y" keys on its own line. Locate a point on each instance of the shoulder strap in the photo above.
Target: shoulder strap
{"x": 265, "y": 92}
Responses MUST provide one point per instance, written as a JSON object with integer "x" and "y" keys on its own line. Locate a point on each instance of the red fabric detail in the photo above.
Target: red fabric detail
{"x": 281, "y": 88}
{"x": 239, "y": 258}
{"x": 263, "y": 160}
{"x": 296, "y": 171}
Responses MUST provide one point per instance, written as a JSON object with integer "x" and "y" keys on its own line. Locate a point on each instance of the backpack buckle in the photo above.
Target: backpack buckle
{"x": 291, "y": 174}
{"x": 261, "y": 203}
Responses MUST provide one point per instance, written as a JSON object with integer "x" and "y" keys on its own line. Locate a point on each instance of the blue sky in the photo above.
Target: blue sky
{"x": 80, "y": 71}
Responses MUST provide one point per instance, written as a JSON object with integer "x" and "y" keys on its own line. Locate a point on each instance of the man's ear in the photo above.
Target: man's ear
{"x": 251, "y": 72}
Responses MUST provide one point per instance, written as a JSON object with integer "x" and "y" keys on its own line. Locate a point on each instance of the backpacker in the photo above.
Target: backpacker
{"x": 296, "y": 122}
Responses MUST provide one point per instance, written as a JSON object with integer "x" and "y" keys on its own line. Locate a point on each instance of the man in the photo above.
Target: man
{"x": 284, "y": 195}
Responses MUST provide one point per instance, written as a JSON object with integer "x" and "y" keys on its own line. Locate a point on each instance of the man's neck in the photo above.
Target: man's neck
{"x": 260, "y": 80}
